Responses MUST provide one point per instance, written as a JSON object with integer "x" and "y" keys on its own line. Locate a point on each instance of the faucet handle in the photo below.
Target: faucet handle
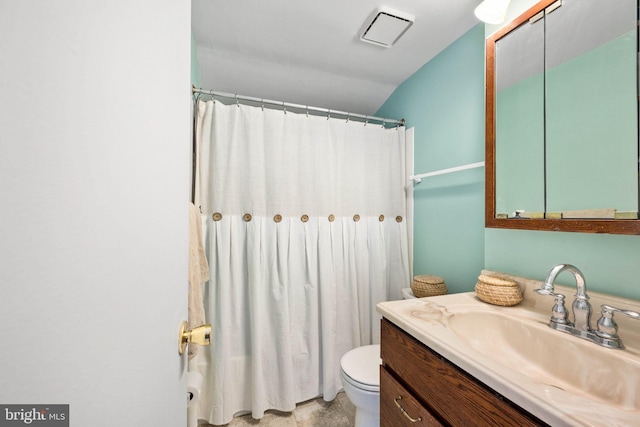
{"x": 559, "y": 313}
{"x": 607, "y": 327}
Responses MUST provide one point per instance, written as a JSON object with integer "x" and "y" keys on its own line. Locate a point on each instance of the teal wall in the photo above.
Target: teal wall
{"x": 195, "y": 66}
{"x": 610, "y": 263}
{"x": 444, "y": 101}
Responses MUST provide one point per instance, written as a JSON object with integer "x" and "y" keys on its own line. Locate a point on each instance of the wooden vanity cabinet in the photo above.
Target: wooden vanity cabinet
{"x": 427, "y": 386}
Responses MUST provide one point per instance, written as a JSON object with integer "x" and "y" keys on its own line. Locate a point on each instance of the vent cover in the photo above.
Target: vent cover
{"x": 385, "y": 27}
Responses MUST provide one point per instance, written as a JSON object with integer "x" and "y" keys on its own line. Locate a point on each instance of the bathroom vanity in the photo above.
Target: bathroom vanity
{"x": 416, "y": 382}
{"x": 455, "y": 360}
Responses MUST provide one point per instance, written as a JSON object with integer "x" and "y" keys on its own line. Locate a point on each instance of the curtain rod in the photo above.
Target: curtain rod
{"x": 307, "y": 108}
{"x": 418, "y": 178}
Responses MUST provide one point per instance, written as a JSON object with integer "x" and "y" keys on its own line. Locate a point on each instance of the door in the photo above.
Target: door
{"x": 94, "y": 191}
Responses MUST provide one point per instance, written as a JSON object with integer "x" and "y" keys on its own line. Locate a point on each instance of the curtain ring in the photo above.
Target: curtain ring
{"x": 307, "y": 110}
{"x": 328, "y": 113}
{"x": 348, "y": 117}
{"x": 383, "y": 122}
{"x": 237, "y": 101}
{"x": 366, "y": 120}
{"x": 262, "y": 104}
{"x": 284, "y": 107}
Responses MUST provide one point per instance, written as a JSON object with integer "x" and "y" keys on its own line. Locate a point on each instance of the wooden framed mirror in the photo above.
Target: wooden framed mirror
{"x": 562, "y": 119}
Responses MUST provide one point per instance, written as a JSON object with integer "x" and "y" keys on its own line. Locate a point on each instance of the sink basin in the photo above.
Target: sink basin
{"x": 559, "y": 378}
{"x": 529, "y": 346}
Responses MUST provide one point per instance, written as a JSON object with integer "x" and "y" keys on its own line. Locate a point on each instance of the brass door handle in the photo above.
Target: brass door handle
{"x": 200, "y": 335}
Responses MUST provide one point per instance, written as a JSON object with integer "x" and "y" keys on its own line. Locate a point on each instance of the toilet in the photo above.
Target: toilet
{"x": 360, "y": 372}
{"x": 407, "y": 293}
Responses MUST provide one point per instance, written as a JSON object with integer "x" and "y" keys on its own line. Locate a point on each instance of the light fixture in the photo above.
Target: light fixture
{"x": 492, "y": 11}
{"x": 385, "y": 27}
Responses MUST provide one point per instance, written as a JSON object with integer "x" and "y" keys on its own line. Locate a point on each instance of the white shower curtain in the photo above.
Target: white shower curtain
{"x": 305, "y": 231}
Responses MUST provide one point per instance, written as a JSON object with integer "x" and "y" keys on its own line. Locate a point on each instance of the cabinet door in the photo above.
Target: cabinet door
{"x": 399, "y": 408}
{"x": 591, "y": 103}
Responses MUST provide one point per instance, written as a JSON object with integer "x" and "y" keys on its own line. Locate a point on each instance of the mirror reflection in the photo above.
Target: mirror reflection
{"x": 563, "y": 88}
{"x": 520, "y": 120}
{"x": 591, "y": 106}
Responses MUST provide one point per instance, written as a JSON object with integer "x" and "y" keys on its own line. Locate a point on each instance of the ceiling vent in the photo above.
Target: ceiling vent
{"x": 385, "y": 27}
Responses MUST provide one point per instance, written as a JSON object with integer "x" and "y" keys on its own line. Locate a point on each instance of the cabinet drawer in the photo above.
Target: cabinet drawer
{"x": 393, "y": 397}
{"x": 452, "y": 394}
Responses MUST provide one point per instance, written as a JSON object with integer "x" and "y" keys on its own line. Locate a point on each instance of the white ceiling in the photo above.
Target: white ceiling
{"x": 308, "y": 51}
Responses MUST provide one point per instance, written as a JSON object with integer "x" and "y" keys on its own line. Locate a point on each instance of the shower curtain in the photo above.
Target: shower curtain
{"x": 305, "y": 232}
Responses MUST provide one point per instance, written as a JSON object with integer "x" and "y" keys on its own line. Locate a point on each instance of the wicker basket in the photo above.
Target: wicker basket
{"x": 498, "y": 290}
{"x": 428, "y": 286}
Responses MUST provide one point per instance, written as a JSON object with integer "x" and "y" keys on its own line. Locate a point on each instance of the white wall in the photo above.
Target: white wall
{"x": 94, "y": 185}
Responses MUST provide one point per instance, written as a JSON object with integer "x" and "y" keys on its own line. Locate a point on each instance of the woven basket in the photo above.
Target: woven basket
{"x": 498, "y": 290}
{"x": 428, "y": 286}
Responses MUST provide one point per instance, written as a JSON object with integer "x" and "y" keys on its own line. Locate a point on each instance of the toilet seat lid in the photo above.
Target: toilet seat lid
{"x": 362, "y": 364}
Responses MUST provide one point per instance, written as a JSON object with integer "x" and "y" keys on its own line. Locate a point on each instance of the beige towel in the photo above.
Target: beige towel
{"x": 198, "y": 273}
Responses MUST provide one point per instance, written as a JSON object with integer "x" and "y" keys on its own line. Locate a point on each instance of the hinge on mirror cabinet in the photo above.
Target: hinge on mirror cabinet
{"x": 553, "y": 7}
{"x": 538, "y": 16}
{"x": 535, "y": 18}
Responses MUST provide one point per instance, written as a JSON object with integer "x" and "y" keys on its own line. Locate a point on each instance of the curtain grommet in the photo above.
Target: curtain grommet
{"x": 332, "y": 218}
{"x": 381, "y": 218}
{"x": 246, "y": 217}
{"x": 277, "y": 218}
{"x": 398, "y": 218}
{"x": 356, "y": 218}
{"x": 304, "y": 218}
{"x": 217, "y": 216}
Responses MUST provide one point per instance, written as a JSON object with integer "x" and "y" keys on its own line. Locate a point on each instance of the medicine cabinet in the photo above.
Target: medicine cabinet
{"x": 562, "y": 119}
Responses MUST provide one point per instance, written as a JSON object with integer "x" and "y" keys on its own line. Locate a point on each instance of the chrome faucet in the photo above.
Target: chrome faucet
{"x": 581, "y": 306}
{"x": 606, "y": 334}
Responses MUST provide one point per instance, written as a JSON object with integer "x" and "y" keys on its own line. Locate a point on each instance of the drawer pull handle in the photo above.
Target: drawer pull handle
{"x": 413, "y": 420}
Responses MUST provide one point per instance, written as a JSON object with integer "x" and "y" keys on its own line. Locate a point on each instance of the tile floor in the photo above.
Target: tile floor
{"x": 314, "y": 413}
